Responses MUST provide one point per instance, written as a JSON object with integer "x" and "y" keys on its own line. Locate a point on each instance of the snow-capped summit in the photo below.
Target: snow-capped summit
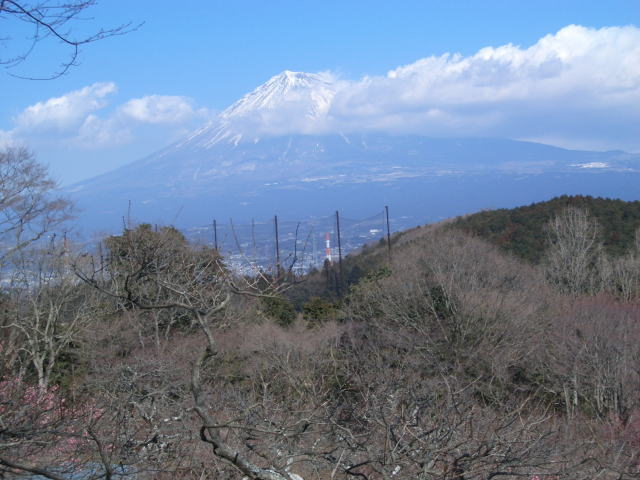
{"x": 311, "y": 90}
{"x": 290, "y": 102}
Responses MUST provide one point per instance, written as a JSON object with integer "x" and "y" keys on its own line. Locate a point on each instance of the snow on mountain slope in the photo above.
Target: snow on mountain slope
{"x": 290, "y": 98}
{"x": 313, "y": 91}
{"x": 268, "y": 152}
{"x": 274, "y": 134}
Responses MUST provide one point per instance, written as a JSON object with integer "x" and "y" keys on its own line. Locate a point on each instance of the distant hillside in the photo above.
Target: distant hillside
{"x": 521, "y": 230}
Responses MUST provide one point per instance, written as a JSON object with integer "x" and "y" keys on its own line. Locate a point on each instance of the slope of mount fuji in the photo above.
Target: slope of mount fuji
{"x": 310, "y": 175}
{"x": 246, "y": 164}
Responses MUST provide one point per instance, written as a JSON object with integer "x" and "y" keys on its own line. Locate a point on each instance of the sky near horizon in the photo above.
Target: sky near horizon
{"x": 561, "y": 72}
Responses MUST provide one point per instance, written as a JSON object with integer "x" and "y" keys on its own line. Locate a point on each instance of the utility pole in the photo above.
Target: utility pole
{"x": 102, "y": 260}
{"x": 215, "y": 234}
{"x": 275, "y": 218}
{"x": 386, "y": 211}
{"x": 313, "y": 248}
{"x": 339, "y": 247}
{"x": 101, "y": 254}
{"x": 253, "y": 239}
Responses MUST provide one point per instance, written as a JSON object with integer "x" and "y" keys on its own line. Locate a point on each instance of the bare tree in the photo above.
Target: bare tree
{"x": 99, "y": 425}
{"x": 28, "y": 212}
{"x": 47, "y": 20}
{"x": 50, "y": 309}
{"x": 152, "y": 271}
{"x": 573, "y": 248}
{"x": 28, "y": 207}
{"x": 441, "y": 373}
{"x": 620, "y": 276}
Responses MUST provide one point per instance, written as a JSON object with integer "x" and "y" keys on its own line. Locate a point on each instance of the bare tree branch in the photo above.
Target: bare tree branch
{"x": 31, "y": 469}
{"x": 50, "y": 20}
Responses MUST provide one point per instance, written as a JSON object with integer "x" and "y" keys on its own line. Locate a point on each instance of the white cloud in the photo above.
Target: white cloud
{"x": 5, "y": 139}
{"x": 163, "y": 109}
{"x": 65, "y": 112}
{"x": 85, "y": 119}
{"x": 96, "y": 132}
{"x": 579, "y": 86}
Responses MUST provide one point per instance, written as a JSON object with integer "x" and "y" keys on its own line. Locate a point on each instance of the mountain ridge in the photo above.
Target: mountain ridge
{"x": 235, "y": 166}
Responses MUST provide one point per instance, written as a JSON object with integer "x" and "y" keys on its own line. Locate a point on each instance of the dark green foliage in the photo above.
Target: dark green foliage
{"x": 140, "y": 254}
{"x": 318, "y": 310}
{"x": 441, "y": 302}
{"x": 521, "y": 230}
{"x": 70, "y": 366}
{"x": 380, "y": 273}
{"x": 326, "y": 283}
{"x": 144, "y": 241}
{"x": 354, "y": 274}
{"x": 279, "y": 310}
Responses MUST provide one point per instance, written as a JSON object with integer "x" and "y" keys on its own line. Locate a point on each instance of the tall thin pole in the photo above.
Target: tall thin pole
{"x": 386, "y": 211}
{"x": 101, "y": 257}
{"x": 339, "y": 246}
{"x": 215, "y": 234}
{"x": 275, "y": 218}
{"x": 253, "y": 239}
{"x": 313, "y": 255}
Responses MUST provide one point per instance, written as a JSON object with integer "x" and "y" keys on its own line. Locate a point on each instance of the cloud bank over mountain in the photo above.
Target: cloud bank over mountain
{"x": 577, "y": 88}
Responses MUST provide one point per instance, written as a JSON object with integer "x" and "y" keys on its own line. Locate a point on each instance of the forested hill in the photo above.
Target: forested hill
{"x": 522, "y": 230}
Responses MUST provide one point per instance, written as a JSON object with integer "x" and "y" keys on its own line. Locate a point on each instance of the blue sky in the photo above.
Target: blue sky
{"x": 195, "y": 58}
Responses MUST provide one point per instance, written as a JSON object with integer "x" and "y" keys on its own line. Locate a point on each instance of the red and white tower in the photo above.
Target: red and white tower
{"x": 327, "y": 246}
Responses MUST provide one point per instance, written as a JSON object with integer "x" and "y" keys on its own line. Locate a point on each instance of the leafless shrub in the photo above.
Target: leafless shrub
{"x": 573, "y": 249}
{"x": 620, "y": 276}
{"x": 454, "y": 362}
{"x": 596, "y": 350}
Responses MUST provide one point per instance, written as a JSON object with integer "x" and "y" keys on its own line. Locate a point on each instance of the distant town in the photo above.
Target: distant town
{"x": 302, "y": 246}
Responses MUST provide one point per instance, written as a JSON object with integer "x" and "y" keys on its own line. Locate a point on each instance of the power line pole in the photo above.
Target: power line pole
{"x": 339, "y": 247}
{"x": 386, "y": 211}
{"x": 102, "y": 260}
{"x": 101, "y": 254}
{"x": 253, "y": 239}
{"x": 275, "y": 218}
{"x": 313, "y": 243}
{"x": 215, "y": 234}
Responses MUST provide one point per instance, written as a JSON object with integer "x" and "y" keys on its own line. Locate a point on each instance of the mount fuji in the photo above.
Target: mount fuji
{"x": 275, "y": 151}
{"x": 268, "y": 110}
